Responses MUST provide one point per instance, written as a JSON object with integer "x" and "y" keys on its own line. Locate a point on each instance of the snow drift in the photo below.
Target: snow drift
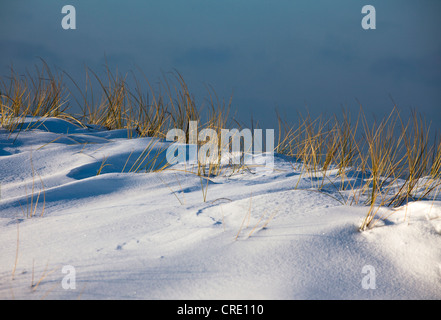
{"x": 256, "y": 234}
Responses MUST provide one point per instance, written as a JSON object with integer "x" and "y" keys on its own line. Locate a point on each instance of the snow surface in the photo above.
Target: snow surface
{"x": 259, "y": 234}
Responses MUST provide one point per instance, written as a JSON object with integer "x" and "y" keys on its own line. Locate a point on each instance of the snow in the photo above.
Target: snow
{"x": 259, "y": 234}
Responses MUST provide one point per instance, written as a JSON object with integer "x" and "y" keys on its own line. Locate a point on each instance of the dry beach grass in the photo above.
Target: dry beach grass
{"x": 382, "y": 163}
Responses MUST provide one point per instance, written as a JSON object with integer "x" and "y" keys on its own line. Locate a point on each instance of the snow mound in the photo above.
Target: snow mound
{"x": 131, "y": 234}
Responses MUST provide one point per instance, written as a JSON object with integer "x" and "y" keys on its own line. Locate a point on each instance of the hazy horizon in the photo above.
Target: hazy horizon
{"x": 280, "y": 54}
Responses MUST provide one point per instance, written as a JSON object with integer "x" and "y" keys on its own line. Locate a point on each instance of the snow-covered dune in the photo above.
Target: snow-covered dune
{"x": 256, "y": 234}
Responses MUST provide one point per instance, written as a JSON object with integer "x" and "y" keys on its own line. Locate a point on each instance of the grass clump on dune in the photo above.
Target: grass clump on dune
{"x": 381, "y": 163}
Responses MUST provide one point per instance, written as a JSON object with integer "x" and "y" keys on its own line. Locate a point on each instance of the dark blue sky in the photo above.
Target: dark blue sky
{"x": 270, "y": 53}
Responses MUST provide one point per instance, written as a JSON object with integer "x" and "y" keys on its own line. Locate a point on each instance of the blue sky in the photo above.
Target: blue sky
{"x": 284, "y": 54}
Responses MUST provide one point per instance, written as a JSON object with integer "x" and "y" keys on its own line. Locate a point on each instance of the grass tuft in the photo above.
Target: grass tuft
{"x": 381, "y": 163}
